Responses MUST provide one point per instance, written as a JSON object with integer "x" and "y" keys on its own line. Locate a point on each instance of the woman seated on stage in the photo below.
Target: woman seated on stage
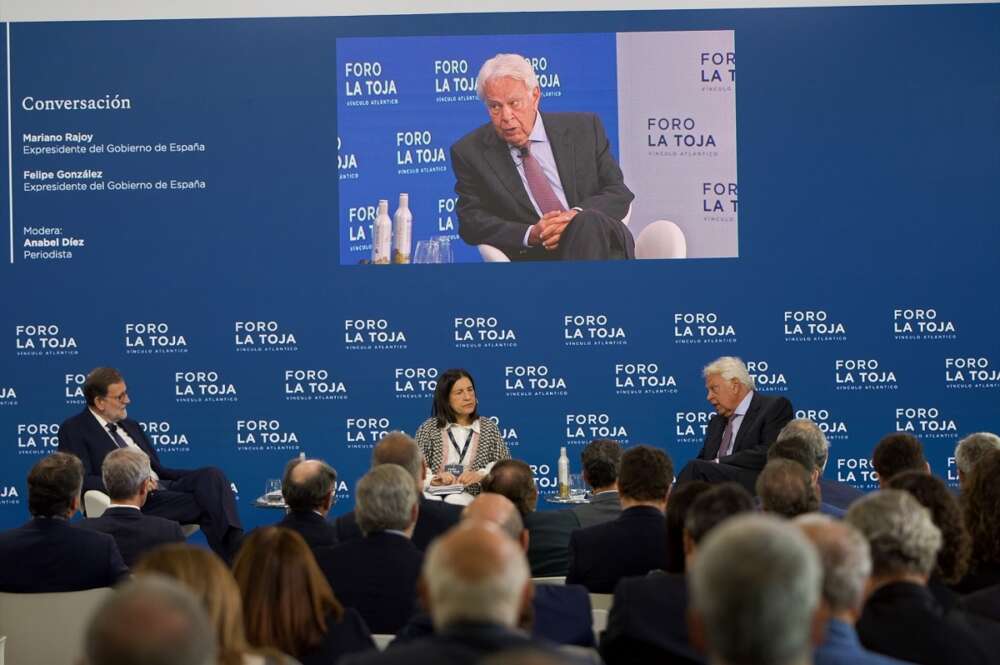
{"x": 458, "y": 445}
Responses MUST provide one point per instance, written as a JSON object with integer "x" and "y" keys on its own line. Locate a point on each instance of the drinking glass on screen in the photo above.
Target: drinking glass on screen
{"x": 272, "y": 490}
{"x": 422, "y": 253}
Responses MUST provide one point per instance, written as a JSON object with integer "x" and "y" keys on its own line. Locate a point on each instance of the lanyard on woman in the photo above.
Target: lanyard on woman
{"x": 465, "y": 448}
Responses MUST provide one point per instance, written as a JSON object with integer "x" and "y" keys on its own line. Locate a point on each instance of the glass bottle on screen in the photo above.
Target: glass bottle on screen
{"x": 382, "y": 234}
{"x": 563, "y": 468}
{"x": 402, "y": 231}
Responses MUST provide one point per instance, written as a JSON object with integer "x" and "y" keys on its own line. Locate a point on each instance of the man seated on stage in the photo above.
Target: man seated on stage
{"x": 746, "y": 423}
{"x": 201, "y": 496}
{"x": 128, "y": 478}
{"x": 48, "y": 554}
{"x": 308, "y": 487}
{"x": 538, "y": 186}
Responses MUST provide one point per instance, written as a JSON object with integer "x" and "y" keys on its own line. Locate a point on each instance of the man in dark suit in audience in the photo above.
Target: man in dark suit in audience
{"x": 601, "y": 460}
{"x": 476, "y": 584}
{"x": 785, "y": 488}
{"x": 832, "y": 493}
{"x": 548, "y": 548}
{"x": 896, "y": 453}
{"x": 648, "y": 618}
{"x": 48, "y": 554}
{"x": 377, "y": 574}
{"x": 127, "y": 477}
{"x": 199, "y": 496}
{"x": 745, "y": 424}
{"x": 635, "y": 542}
{"x": 308, "y": 487}
{"x": 436, "y": 516}
{"x": 797, "y": 449}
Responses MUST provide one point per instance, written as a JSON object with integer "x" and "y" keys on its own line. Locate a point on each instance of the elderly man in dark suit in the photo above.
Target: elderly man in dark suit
{"x": 745, "y": 424}
{"x": 201, "y": 496}
{"x": 636, "y": 542}
{"x": 601, "y": 460}
{"x": 538, "y": 186}
{"x": 127, "y": 477}
{"x": 807, "y": 435}
{"x": 308, "y": 487}
{"x": 48, "y": 554}
{"x": 435, "y": 517}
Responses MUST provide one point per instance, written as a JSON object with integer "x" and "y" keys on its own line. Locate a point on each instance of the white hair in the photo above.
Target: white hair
{"x": 384, "y": 499}
{"x": 756, "y": 583}
{"x": 123, "y": 471}
{"x": 729, "y": 368}
{"x": 901, "y": 533}
{"x": 845, "y": 556}
{"x": 811, "y": 434}
{"x": 970, "y": 449}
{"x": 509, "y": 65}
{"x": 492, "y": 598}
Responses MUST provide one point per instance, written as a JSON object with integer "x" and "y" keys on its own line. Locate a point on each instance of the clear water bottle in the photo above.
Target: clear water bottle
{"x": 402, "y": 231}
{"x": 382, "y": 234}
{"x": 563, "y": 468}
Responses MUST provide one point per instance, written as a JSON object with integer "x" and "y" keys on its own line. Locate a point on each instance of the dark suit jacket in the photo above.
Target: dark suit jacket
{"x": 648, "y": 623}
{"x": 435, "y": 518}
{"x": 84, "y": 437}
{"x": 349, "y": 636}
{"x": 985, "y": 603}
{"x": 459, "y": 644}
{"x": 905, "y": 621}
{"x": 764, "y": 418}
{"x": 134, "y": 532}
{"x": 548, "y": 541}
{"x": 493, "y": 206}
{"x": 633, "y": 544}
{"x": 603, "y": 507}
{"x": 48, "y": 555}
{"x": 377, "y": 576}
{"x": 314, "y": 528}
{"x": 838, "y": 494}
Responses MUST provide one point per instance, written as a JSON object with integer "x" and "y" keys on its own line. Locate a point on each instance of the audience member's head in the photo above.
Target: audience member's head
{"x": 847, "y": 565}
{"x": 970, "y": 450}
{"x": 54, "y": 485}
{"x": 796, "y": 449}
{"x": 681, "y": 498}
{"x": 207, "y": 577}
{"x": 126, "y": 474}
{"x": 476, "y": 572}
{"x": 901, "y": 534}
{"x": 601, "y": 460}
{"x": 786, "y": 488}
{"x": 896, "y": 453}
{"x": 811, "y": 436}
{"x": 513, "y": 479}
{"x": 399, "y": 448}
{"x": 386, "y": 499}
{"x": 754, "y": 593}
{"x": 712, "y": 508}
{"x": 152, "y": 621}
{"x": 933, "y": 494}
{"x": 645, "y": 477}
{"x": 981, "y": 503}
{"x": 309, "y": 485}
{"x": 498, "y": 509}
{"x": 287, "y": 602}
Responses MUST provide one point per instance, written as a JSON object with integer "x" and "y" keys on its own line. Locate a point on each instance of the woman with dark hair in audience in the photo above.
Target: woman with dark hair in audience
{"x": 288, "y": 604}
{"x": 981, "y": 504}
{"x": 946, "y": 513}
{"x": 458, "y": 445}
{"x": 204, "y": 574}
{"x": 681, "y": 497}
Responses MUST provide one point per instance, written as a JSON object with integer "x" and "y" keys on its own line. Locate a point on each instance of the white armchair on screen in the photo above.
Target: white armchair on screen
{"x": 95, "y": 502}
{"x": 661, "y": 240}
{"x": 491, "y": 254}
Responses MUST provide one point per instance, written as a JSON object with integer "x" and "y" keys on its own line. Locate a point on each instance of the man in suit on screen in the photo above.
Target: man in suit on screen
{"x": 200, "y": 496}
{"x": 538, "y": 186}
{"x": 745, "y": 424}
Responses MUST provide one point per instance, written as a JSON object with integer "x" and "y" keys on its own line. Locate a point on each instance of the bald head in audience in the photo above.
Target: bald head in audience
{"x": 499, "y": 510}
{"x": 477, "y": 573}
{"x": 308, "y": 485}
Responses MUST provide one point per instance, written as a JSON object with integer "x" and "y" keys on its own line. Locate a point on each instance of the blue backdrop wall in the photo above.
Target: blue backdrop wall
{"x": 174, "y": 209}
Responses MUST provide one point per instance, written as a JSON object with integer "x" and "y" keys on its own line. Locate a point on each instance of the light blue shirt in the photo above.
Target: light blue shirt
{"x": 541, "y": 150}
{"x": 735, "y": 421}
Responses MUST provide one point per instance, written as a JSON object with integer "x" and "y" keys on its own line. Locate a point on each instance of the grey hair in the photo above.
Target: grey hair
{"x": 385, "y": 499}
{"x": 809, "y": 432}
{"x": 971, "y": 449}
{"x": 495, "y": 598}
{"x": 756, "y": 584}
{"x": 846, "y": 559}
{"x": 509, "y": 65}
{"x": 901, "y": 533}
{"x": 729, "y": 368}
{"x": 399, "y": 448}
{"x": 785, "y": 488}
{"x": 151, "y": 621}
{"x": 123, "y": 471}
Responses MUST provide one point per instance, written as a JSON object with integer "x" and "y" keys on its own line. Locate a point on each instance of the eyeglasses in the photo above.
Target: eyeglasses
{"x": 120, "y": 397}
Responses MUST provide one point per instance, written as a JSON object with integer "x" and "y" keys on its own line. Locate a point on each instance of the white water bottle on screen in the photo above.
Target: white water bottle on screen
{"x": 402, "y": 231}
{"x": 382, "y": 233}
{"x": 563, "y": 468}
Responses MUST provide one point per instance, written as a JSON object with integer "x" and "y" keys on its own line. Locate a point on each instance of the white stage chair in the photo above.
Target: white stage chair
{"x": 47, "y": 628}
{"x": 557, "y": 581}
{"x": 601, "y": 601}
{"x": 95, "y": 502}
{"x": 661, "y": 240}
{"x": 382, "y": 640}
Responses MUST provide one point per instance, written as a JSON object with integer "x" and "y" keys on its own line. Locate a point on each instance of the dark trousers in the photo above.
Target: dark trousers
{"x": 709, "y": 471}
{"x": 203, "y": 497}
